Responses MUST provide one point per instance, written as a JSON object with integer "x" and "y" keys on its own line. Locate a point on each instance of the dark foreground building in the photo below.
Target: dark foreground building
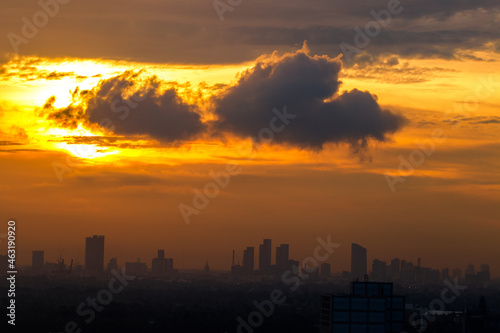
{"x": 371, "y": 308}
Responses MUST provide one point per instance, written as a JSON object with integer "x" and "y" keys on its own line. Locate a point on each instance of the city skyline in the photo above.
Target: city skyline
{"x": 219, "y": 165}
{"x": 251, "y": 259}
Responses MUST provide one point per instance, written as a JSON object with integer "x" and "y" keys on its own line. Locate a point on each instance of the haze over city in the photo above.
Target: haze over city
{"x": 204, "y": 127}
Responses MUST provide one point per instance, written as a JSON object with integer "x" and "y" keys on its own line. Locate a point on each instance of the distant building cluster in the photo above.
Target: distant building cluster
{"x": 397, "y": 270}
{"x": 248, "y": 269}
{"x": 407, "y": 272}
{"x": 94, "y": 263}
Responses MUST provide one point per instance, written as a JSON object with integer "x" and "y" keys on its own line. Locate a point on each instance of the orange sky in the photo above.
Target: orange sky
{"x": 63, "y": 183}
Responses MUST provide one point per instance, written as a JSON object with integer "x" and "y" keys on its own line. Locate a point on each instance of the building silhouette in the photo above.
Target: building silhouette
{"x": 161, "y": 265}
{"x": 94, "y": 254}
{"x": 484, "y": 274}
{"x": 326, "y": 271}
{"x": 379, "y": 270}
{"x": 370, "y": 308}
{"x": 265, "y": 257}
{"x": 394, "y": 270}
{"x": 136, "y": 268}
{"x": 37, "y": 260}
{"x": 112, "y": 264}
{"x": 358, "y": 262}
{"x": 282, "y": 253}
{"x": 248, "y": 260}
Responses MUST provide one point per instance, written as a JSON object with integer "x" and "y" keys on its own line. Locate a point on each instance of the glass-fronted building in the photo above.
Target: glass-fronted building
{"x": 371, "y": 308}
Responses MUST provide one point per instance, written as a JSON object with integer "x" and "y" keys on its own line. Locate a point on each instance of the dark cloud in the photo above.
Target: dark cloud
{"x": 480, "y": 120}
{"x": 190, "y": 32}
{"x": 147, "y": 109}
{"x": 9, "y": 143}
{"x": 130, "y": 105}
{"x": 309, "y": 88}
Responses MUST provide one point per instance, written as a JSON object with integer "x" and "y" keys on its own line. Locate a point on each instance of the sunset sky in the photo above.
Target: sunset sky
{"x": 112, "y": 112}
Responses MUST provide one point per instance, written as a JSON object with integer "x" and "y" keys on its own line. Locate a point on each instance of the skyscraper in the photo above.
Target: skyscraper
{"x": 161, "y": 265}
{"x": 358, "y": 262}
{"x": 37, "y": 260}
{"x": 248, "y": 259}
{"x": 265, "y": 257}
{"x": 94, "y": 254}
{"x": 282, "y": 256}
{"x": 395, "y": 268}
{"x": 379, "y": 270}
{"x": 325, "y": 271}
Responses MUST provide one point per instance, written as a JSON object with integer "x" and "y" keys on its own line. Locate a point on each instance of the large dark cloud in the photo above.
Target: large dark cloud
{"x": 146, "y": 110}
{"x": 130, "y": 105}
{"x": 309, "y": 88}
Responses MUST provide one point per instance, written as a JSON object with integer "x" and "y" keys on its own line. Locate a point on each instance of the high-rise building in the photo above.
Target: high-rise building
{"x": 325, "y": 271}
{"x": 136, "y": 268}
{"x": 379, "y": 270}
{"x": 395, "y": 268}
{"x": 265, "y": 257}
{"x": 94, "y": 254}
{"x": 282, "y": 253}
{"x": 37, "y": 260}
{"x": 371, "y": 307}
{"x": 470, "y": 274}
{"x": 484, "y": 274}
{"x": 445, "y": 274}
{"x": 358, "y": 262}
{"x": 248, "y": 259}
{"x": 402, "y": 271}
{"x": 161, "y": 265}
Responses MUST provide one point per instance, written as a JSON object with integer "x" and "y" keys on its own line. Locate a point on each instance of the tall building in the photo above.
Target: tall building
{"x": 395, "y": 268}
{"x": 379, "y": 270}
{"x": 37, "y": 260}
{"x": 470, "y": 274}
{"x": 248, "y": 259}
{"x": 370, "y": 308}
{"x": 265, "y": 257}
{"x": 94, "y": 254}
{"x": 445, "y": 274}
{"x": 358, "y": 262}
{"x": 325, "y": 271}
{"x": 161, "y": 265}
{"x": 282, "y": 253}
{"x": 484, "y": 274}
{"x": 402, "y": 271}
